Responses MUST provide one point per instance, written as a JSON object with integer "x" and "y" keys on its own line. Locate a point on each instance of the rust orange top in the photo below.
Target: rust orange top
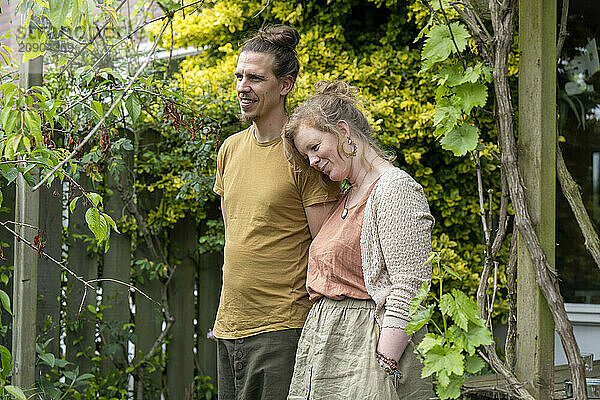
{"x": 334, "y": 260}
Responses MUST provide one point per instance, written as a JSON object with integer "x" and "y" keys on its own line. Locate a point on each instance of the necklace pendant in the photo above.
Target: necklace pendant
{"x": 344, "y": 213}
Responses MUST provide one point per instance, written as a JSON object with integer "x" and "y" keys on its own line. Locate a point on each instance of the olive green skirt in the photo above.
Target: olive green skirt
{"x": 336, "y": 357}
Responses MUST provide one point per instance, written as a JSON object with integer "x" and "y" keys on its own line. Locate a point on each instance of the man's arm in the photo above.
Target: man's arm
{"x": 224, "y": 213}
{"x": 315, "y": 215}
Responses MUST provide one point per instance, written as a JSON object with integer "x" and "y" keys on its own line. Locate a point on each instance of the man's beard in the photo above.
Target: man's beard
{"x": 246, "y": 119}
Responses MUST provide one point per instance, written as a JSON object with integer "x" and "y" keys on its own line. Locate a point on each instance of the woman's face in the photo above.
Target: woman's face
{"x": 321, "y": 150}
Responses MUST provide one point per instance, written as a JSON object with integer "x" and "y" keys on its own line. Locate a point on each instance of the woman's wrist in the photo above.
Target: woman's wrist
{"x": 389, "y": 365}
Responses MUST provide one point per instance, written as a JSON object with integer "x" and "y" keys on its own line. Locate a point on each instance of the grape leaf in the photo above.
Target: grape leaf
{"x": 419, "y": 320}
{"x": 460, "y": 140}
{"x": 443, "y": 361}
{"x": 452, "y": 389}
{"x": 471, "y": 95}
{"x": 418, "y": 299}
{"x": 474, "y": 364}
{"x": 439, "y": 45}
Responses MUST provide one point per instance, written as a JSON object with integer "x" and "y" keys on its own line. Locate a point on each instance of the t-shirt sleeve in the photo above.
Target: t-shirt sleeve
{"x": 314, "y": 190}
{"x": 218, "y": 187}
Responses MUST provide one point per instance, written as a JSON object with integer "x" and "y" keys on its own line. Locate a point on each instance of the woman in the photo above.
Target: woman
{"x": 366, "y": 263}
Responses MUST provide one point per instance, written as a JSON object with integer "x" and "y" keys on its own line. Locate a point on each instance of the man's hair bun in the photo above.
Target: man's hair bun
{"x": 280, "y": 35}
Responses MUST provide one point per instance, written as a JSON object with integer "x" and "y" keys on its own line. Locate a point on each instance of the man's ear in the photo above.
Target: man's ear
{"x": 287, "y": 83}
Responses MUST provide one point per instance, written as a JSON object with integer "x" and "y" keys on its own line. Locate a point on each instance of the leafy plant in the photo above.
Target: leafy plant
{"x": 450, "y": 352}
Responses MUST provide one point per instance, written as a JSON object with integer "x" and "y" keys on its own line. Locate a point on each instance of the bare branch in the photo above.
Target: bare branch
{"x": 510, "y": 343}
{"x": 562, "y": 35}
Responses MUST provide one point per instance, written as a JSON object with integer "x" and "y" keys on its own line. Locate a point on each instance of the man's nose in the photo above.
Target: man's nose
{"x": 242, "y": 85}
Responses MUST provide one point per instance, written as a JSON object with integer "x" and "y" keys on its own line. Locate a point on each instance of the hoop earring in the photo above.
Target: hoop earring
{"x": 352, "y": 153}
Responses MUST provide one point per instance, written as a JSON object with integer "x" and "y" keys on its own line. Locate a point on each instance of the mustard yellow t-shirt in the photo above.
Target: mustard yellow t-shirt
{"x": 267, "y": 236}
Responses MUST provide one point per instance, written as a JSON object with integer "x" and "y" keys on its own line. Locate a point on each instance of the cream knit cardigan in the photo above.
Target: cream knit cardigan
{"x": 395, "y": 243}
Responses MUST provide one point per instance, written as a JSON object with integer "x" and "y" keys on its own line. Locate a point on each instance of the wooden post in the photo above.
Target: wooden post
{"x": 25, "y": 276}
{"x": 537, "y": 161}
{"x": 180, "y": 365}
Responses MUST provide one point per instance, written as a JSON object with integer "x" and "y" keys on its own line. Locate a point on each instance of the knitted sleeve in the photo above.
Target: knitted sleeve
{"x": 404, "y": 226}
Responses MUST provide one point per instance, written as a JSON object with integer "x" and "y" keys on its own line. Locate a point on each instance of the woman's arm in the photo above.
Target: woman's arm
{"x": 404, "y": 226}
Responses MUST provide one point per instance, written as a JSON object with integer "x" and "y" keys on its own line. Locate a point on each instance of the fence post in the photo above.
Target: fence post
{"x": 537, "y": 161}
{"x": 25, "y": 277}
{"x": 180, "y": 363}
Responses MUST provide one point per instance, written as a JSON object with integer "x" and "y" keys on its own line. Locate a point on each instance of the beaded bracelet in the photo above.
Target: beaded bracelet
{"x": 389, "y": 365}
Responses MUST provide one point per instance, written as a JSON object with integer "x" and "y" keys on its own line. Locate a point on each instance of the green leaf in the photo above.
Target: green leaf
{"x": 461, "y": 140}
{"x": 48, "y": 358}
{"x": 61, "y": 363}
{"x": 72, "y": 375}
{"x": 429, "y": 342}
{"x": 418, "y": 299}
{"x": 474, "y": 364}
{"x": 95, "y": 198}
{"x": 97, "y": 224}
{"x": 5, "y": 301}
{"x": 439, "y": 45}
{"x": 467, "y": 307}
{"x": 461, "y": 309}
{"x": 33, "y": 122}
{"x": 419, "y": 320}
{"x": 73, "y": 203}
{"x": 15, "y": 391}
{"x": 10, "y": 175}
{"x": 58, "y": 11}
{"x": 11, "y": 120}
{"x": 443, "y": 361}
{"x": 451, "y": 390}
{"x": 1, "y": 199}
{"x": 6, "y": 358}
{"x": 97, "y": 107}
{"x": 447, "y": 113}
{"x": 132, "y": 104}
{"x": 471, "y": 95}
{"x": 454, "y": 75}
{"x": 111, "y": 222}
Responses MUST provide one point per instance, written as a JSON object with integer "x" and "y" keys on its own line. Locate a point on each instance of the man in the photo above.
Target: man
{"x": 270, "y": 212}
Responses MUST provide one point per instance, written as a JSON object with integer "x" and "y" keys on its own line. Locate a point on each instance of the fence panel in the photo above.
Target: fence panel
{"x": 48, "y": 273}
{"x": 81, "y": 327}
{"x": 209, "y": 288}
{"x": 180, "y": 350}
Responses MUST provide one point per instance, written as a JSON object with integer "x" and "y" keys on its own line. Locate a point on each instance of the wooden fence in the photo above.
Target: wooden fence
{"x": 193, "y": 294}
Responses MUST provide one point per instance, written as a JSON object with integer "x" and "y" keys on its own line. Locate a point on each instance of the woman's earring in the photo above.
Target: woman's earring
{"x": 352, "y": 153}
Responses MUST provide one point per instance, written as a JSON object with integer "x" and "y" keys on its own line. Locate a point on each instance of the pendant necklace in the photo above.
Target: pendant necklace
{"x": 346, "y": 210}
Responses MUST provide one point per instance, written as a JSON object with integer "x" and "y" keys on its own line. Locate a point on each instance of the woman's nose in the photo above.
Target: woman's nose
{"x": 313, "y": 160}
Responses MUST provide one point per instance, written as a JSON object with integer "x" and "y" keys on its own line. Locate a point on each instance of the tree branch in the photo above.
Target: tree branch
{"x": 503, "y": 20}
{"x": 108, "y": 112}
